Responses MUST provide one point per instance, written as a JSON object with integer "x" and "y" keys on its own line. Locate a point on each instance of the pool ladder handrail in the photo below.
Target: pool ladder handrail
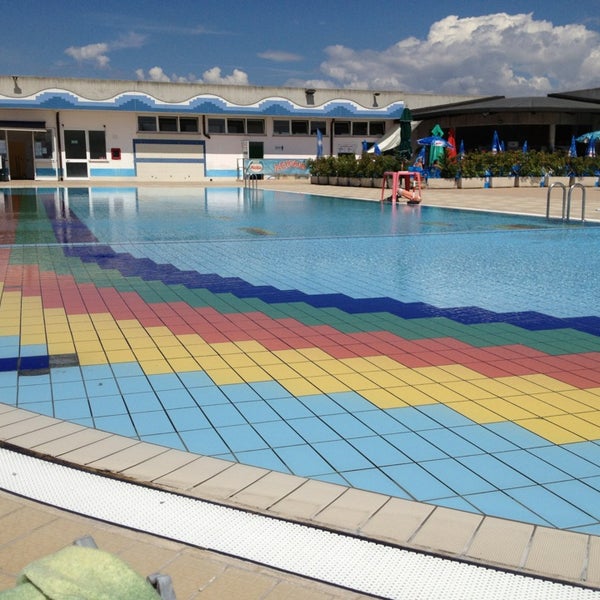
{"x": 250, "y": 179}
{"x": 566, "y": 200}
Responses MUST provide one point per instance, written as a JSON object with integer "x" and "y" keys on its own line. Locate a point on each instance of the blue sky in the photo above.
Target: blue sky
{"x": 512, "y": 48}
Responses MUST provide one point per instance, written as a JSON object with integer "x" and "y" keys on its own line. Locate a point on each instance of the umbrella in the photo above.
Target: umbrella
{"x": 452, "y": 148}
{"x": 436, "y": 150}
{"x": 421, "y": 156}
{"x": 461, "y": 150}
{"x": 319, "y": 143}
{"x": 405, "y": 148}
{"x": 586, "y": 137}
{"x": 377, "y": 150}
{"x": 495, "y": 143}
{"x": 591, "y": 148}
{"x": 573, "y": 149}
{"x": 525, "y": 148}
{"x": 365, "y": 146}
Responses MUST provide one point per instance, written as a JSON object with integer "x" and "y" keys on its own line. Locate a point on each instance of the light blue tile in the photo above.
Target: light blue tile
{"x": 517, "y": 435}
{"x": 134, "y": 384}
{"x": 485, "y": 439}
{"x": 412, "y": 419}
{"x": 278, "y": 433}
{"x": 342, "y": 456}
{"x": 269, "y": 390}
{"x": 205, "y": 441}
{"x": 444, "y": 415}
{"x": 580, "y": 495}
{"x": 169, "y": 440}
{"x": 128, "y": 369}
{"x": 8, "y": 396}
{"x": 68, "y": 390}
{"x": 242, "y": 438}
{"x": 165, "y": 381}
{"x": 41, "y": 379}
{"x": 414, "y": 446}
{"x": 103, "y": 406}
{"x": 457, "y": 503}
{"x": 352, "y": 402}
{"x": 450, "y": 443}
{"x": 347, "y": 426}
{"x": 206, "y": 396}
{"x": 257, "y": 411}
{"x": 417, "y": 482}
{"x": 144, "y": 402}
{"x": 498, "y": 504}
{"x": 567, "y": 461}
{"x": 192, "y": 379}
{"x": 373, "y": 480}
{"x": 34, "y": 393}
{"x": 312, "y": 429}
{"x": 240, "y": 392}
{"x": 71, "y": 409}
{"x": 495, "y": 471}
{"x": 379, "y": 451}
{"x": 457, "y": 477}
{"x": 34, "y": 350}
{"x": 587, "y": 450}
{"x": 531, "y": 466}
{"x": 90, "y": 372}
{"x": 175, "y": 398}
{"x": 8, "y": 378}
{"x": 380, "y": 422}
{"x": 223, "y": 415}
{"x": 9, "y": 341}
{"x": 265, "y": 459}
{"x": 65, "y": 375}
{"x": 101, "y": 387}
{"x": 305, "y": 462}
{"x": 149, "y": 423}
{"x": 42, "y": 408}
{"x": 188, "y": 418}
{"x": 289, "y": 408}
{"x": 119, "y": 424}
{"x": 320, "y": 404}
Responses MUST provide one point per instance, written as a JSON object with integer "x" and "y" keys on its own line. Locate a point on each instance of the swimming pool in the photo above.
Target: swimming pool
{"x": 422, "y": 353}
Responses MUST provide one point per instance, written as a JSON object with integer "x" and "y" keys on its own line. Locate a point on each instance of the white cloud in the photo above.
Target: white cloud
{"x": 214, "y": 75}
{"x": 492, "y": 54}
{"x": 280, "y": 56}
{"x": 98, "y": 53}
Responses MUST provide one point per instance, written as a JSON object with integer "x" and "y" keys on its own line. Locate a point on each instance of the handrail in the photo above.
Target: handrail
{"x": 564, "y": 198}
{"x": 575, "y": 186}
{"x": 250, "y": 180}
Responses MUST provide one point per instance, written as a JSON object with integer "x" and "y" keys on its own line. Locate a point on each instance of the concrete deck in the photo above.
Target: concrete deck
{"x": 29, "y": 530}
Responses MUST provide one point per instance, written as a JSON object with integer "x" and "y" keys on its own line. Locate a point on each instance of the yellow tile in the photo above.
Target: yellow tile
{"x": 84, "y": 335}
{"x": 239, "y": 360}
{"x": 334, "y": 366}
{"x": 383, "y": 362}
{"x": 461, "y": 372}
{"x": 183, "y": 365}
{"x": 411, "y": 376}
{"x": 582, "y": 427}
{"x": 550, "y": 431}
{"x": 437, "y": 374}
{"x": 119, "y": 356}
{"x": 536, "y": 406}
{"x": 329, "y": 384}
{"x": 280, "y": 371}
{"x": 359, "y": 365}
{"x": 115, "y": 345}
{"x": 165, "y": 341}
{"x": 590, "y": 397}
{"x": 148, "y": 354}
{"x": 190, "y": 338}
{"x": 309, "y": 369}
{"x": 289, "y": 356}
{"x": 10, "y": 330}
{"x": 496, "y": 387}
{"x": 92, "y": 358}
{"x": 200, "y": 349}
{"x": 314, "y": 354}
{"x": 506, "y": 409}
{"x": 141, "y": 343}
{"x": 562, "y": 402}
{"x": 523, "y": 385}
{"x": 226, "y": 348}
{"x": 355, "y": 381}
{"x": 129, "y": 324}
{"x": 467, "y": 390}
{"x": 548, "y": 382}
{"x": 224, "y": 376}
{"x": 299, "y": 387}
{"x": 171, "y": 352}
{"x": 158, "y": 331}
{"x": 155, "y": 367}
{"x": 132, "y": 333}
{"x": 211, "y": 362}
{"x": 383, "y": 379}
{"x": 101, "y": 317}
{"x": 61, "y": 348}
{"x": 32, "y": 339}
{"x": 411, "y": 395}
{"x": 592, "y": 416}
{"x": 382, "y": 398}
{"x": 440, "y": 392}
{"x": 476, "y": 412}
{"x": 252, "y": 374}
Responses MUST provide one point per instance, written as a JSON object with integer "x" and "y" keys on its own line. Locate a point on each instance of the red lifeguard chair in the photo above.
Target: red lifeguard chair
{"x": 405, "y": 185}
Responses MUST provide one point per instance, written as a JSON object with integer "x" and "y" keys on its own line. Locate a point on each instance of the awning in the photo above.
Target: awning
{"x": 392, "y": 139}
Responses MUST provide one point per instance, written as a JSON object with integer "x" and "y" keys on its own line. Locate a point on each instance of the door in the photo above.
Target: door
{"x": 20, "y": 155}
{"x": 76, "y": 154}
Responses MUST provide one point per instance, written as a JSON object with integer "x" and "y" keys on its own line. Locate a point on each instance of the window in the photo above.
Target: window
{"x": 281, "y": 127}
{"x": 188, "y": 124}
{"x": 299, "y": 127}
{"x": 97, "y": 145}
{"x": 167, "y": 123}
{"x": 216, "y": 126}
{"x": 43, "y": 144}
{"x": 236, "y": 126}
{"x": 320, "y": 125}
{"x": 376, "y": 127}
{"x": 256, "y": 126}
{"x": 342, "y": 128}
{"x": 360, "y": 128}
{"x": 147, "y": 124}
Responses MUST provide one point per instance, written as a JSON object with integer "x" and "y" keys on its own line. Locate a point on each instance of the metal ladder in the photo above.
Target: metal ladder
{"x": 566, "y": 200}
{"x": 250, "y": 180}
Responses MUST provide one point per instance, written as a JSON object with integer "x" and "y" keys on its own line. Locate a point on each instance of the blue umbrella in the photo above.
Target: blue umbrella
{"x": 495, "y": 143}
{"x": 591, "y": 148}
{"x": 461, "y": 150}
{"x": 377, "y": 150}
{"x": 319, "y": 143}
{"x": 525, "y": 148}
{"x": 365, "y": 145}
{"x": 587, "y": 137}
{"x": 435, "y": 141}
{"x": 573, "y": 149}
{"x": 421, "y": 156}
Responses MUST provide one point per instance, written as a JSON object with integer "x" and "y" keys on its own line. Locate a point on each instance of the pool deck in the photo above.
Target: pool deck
{"x": 29, "y": 530}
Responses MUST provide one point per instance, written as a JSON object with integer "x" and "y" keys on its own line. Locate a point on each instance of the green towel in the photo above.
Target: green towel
{"x": 80, "y": 573}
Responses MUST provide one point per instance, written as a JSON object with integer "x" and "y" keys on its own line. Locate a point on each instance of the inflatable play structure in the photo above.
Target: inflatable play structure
{"x": 405, "y": 185}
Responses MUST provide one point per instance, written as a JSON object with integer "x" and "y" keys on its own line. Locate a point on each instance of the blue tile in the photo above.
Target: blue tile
{"x": 240, "y": 392}
{"x": 444, "y": 415}
{"x": 103, "y": 406}
{"x": 550, "y": 507}
{"x": 90, "y": 372}
{"x": 66, "y": 375}
{"x": 204, "y": 441}
{"x": 206, "y": 396}
{"x": 347, "y": 426}
{"x": 223, "y": 415}
{"x": 165, "y": 381}
{"x": 169, "y": 440}
{"x": 42, "y": 379}
{"x": 33, "y": 350}
{"x": 380, "y": 422}
{"x": 175, "y": 398}
{"x": 531, "y": 466}
{"x": 68, "y": 390}
{"x": 517, "y": 435}
{"x": 313, "y": 430}
{"x": 42, "y": 408}
{"x": 265, "y": 459}
{"x": 374, "y": 480}
{"x": 379, "y": 451}
{"x": 148, "y": 423}
{"x": 144, "y": 402}
{"x": 485, "y": 439}
{"x": 242, "y": 438}
{"x": 496, "y": 472}
{"x": 8, "y": 396}
{"x": 134, "y": 385}
{"x": 128, "y": 369}
{"x": 257, "y": 411}
{"x": 319, "y": 404}
{"x": 417, "y": 482}
{"x": 580, "y": 495}
{"x": 71, "y": 409}
{"x": 119, "y": 424}
{"x": 33, "y": 393}
{"x": 10, "y": 341}
{"x": 195, "y": 379}
{"x": 305, "y": 462}
{"x": 415, "y": 447}
{"x": 457, "y": 477}
{"x": 587, "y": 450}
{"x": 8, "y": 378}
{"x": 457, "y": 503}
{"x": 567, "y": 461}
{"x": 352, "y": 402}
{"x": 289, "y": 408}
{"x": 342, "y": 456}
{"x": 101, "y": 387}
{"x": 450, "y": 443}
{"x": 498, "y": 504}
{"x": 270, "y": 390}
{"x": 278, "y": 433}
{"x": 188, "y": 418}
{"x": 413, "y": 419}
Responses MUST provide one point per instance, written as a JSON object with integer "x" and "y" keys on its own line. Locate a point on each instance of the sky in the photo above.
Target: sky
{"x": 509, "y": 48}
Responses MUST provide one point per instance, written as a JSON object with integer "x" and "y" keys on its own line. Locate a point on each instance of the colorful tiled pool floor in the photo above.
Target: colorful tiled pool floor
{"x": 493, "y": 415}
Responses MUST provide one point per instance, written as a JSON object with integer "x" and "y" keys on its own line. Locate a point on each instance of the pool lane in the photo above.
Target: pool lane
{"x": 488, "y": 413}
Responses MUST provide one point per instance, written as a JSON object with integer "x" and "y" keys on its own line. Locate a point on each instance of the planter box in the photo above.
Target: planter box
{"x": 354, "y": 181}
{"x": 366, "y": 182}
{"x": 342, "y": 180}
{"x": 333, "y": 180}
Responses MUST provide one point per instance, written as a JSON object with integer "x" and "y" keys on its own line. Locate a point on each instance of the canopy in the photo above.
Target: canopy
{"x": 389, "y": 141}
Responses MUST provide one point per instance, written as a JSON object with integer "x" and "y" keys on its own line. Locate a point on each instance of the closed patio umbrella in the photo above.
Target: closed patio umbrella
{"x": 436, "y": 150}
{"x": 405, "y": 148}
{"x": 573, "y": 148}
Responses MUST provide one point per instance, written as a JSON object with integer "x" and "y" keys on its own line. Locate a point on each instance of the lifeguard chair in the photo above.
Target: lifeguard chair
{"x": 406, "y": 185}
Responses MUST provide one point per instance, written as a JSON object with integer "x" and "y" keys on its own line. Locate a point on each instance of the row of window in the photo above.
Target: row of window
{"x": 237, "y": 126}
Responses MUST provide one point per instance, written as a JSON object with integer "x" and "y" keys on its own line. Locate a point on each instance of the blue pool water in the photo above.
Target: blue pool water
{"x": 447, "y": 258}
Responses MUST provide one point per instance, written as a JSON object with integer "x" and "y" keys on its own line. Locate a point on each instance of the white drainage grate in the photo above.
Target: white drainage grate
{"x": 364, "y": 566}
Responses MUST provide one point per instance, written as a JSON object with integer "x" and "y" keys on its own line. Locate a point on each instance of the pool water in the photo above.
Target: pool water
{"x": 445, "y": 356}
